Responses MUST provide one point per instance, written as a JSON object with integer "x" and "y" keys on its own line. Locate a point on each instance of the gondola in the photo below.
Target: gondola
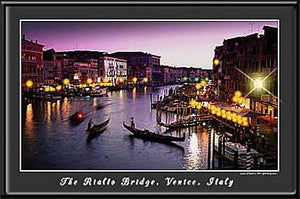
{"x": 96, "y": 128}
{"x": 91, "y": 136}
{"x": 77, "y": 117}
{"x": 176, "y": 125}
{"x": 148, "y": 135}
{"x": 101, "y": 106}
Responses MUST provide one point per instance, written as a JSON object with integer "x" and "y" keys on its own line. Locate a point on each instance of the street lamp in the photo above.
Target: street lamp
{"x": 29, "y": 83}
{"x": 206, "y": 79}
{"x": 145, "y": 79}
{"x": 197, "y": 79}
{"x": 185, "y": 78}
{"x": 66, "y": 82}
{"x": 134, "y": 80}
{"x": 58, "y": 88}
{"x": 198, "y": 86}
{"x": 193, "y": 102}
{"x": 216, "y": 62}
{"x": 89, "y": 81}
{"x": 258, "y": 83}
{"x": 238, "y": 93}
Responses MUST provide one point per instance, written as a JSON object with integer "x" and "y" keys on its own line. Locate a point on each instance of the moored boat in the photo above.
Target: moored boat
{"x": 148, "y": 135}
{"x": 241, "y": 150}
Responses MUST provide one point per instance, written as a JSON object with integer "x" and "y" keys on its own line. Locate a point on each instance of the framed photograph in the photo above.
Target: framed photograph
{"x": 150, "y": 98}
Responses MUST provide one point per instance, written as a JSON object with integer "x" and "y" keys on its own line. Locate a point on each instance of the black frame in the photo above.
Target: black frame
{"x": 3, "y": 76}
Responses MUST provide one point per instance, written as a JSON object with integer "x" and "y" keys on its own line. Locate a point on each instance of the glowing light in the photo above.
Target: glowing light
{"x": 89, "y": 81}
{"x": 145, "y": 79}
{"x": 216, "y": 62}
{"x": 235, "y": 99}
{"x": 80, "y": 115}
{"x": 185, "y": 78}
{"x": 228, "y": 115}
{"x": 197, "y": 79}
{"x": 80, "y": 85}
{"x": 134, "y": 79}
{"x": 198, "y": 86}
{"x": 241, "y": 100}
{"x": 52, "y": 89}
{"x": 121, "y": 79}
{"x": 93, "y": 85}
{"x": 193, "y": 103}
{"x": 206, "y": 79}
{"x": 105, "y": 80}
{"x": 199, "y": 106}
{"x": 58, "y": 88}
{"x": 66, "y": 82}
{"x": 203, "y": 83}
{"x": 258, "y": 83}
{"x": 224, "y": 115}
{"x": 84, "y": 85}
{"x": 47, "y": 89}
{"x": 29, "y": 83}
{"x": 245, "y": 124}
{"x": 238, "y": 93}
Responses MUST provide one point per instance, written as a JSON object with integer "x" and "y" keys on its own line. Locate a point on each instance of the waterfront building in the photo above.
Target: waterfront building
{"x": 141, "y": 65}
{"x": 256, "y": 56}
{"x": 52, "y": 73}
{"x": 114, "y": 69}
{"x": 32, "y": 62}
{"x": 82, "y": 70}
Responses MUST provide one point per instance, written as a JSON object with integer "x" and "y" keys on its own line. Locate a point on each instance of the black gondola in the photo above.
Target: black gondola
{"x": 77, "y": 117}
{"x": 101, "y": 106}
{"x": 176, "y": 125}
{"x": 148, "y": 135}
{"x": 97, "y": 127}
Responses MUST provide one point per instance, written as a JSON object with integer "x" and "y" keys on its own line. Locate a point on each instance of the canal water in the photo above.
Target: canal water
{"x": 50, "y": 142}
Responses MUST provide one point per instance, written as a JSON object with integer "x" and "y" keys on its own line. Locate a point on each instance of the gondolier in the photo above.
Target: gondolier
{"x": 132, "y": 122}
{"x": 91, "y": 123}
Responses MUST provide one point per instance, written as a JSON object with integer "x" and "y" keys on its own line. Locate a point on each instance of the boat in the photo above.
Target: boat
{"x": 176, "y": 125}
{"x": 77, "y": 117}
{"x": 52, "y": 97}
{"x": 97, "y": 129}
{"x": 148, "y": 135}
{"x": 101, "y": 106}
{"x": 231, "y": 147}
{"x": 99, "y": 93}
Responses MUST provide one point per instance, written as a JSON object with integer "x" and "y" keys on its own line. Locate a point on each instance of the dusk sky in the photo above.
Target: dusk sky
{"x": 178, "y": 43}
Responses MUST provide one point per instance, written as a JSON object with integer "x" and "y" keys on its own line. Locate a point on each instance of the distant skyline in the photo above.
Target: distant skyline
{"x": 179, "y": 43}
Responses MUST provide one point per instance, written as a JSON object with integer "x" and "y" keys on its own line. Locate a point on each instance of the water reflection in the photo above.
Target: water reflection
{"x": 66, "y": 148}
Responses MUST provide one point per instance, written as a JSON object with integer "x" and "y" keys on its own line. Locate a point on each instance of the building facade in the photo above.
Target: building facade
{"x": 32, "y": 62}
{"x": 254, "y": 56}
{"x": 114, "y": 69}
{"x": 141, "y": 65}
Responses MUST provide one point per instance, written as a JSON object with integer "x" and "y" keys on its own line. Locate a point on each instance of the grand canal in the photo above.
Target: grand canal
{"x": 51, "y": 142}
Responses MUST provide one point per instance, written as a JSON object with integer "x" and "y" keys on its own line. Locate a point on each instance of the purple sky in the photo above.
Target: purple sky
{"x": 178, "y": 43}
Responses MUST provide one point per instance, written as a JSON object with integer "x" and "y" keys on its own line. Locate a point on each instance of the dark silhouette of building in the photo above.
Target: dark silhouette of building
{"x": 256, "y": 56}
{"x": 32, "y": 61}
